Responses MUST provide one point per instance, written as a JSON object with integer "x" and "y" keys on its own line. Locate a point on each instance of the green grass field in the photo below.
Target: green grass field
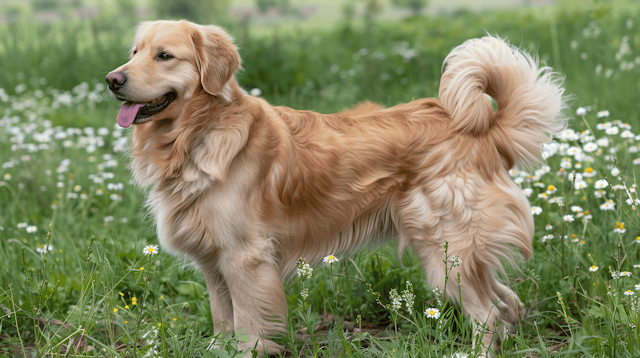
{"x": 74, "y": 280}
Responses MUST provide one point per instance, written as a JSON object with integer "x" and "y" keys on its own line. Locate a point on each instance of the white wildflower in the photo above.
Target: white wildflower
{"x": 150, "y": 250}
{"x": 432, "y": 313}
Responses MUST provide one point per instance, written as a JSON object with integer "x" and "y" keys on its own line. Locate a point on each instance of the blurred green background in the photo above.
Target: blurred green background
{"x": 306, "y": 54}
{"x": 326, "y": 55}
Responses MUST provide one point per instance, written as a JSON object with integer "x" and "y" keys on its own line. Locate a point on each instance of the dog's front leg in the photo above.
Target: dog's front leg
{"x": 220, "y": 301}
{"x": 257, "y": 292}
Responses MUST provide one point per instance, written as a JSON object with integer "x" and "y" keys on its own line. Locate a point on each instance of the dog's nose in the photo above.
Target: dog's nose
{"x": 116, "y": 80}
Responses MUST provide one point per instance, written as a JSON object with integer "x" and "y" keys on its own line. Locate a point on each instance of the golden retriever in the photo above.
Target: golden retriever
{"x": 245, "y": 189}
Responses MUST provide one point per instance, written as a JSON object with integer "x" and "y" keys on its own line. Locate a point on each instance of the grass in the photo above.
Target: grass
{"x": 68, "y": 289}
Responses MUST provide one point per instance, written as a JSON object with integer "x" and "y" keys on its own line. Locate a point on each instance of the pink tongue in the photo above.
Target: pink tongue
{"x": 128, "y": 114}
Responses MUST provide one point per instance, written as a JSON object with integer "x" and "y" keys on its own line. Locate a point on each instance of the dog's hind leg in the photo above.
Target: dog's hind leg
{"x": 220, "y": 300}
{"x": 475, "y": 296}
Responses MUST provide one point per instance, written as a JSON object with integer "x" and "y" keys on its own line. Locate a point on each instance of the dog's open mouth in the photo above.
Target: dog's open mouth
{"x": 137, "y": 113}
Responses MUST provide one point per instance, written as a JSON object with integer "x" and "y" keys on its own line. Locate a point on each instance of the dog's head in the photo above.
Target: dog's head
{"x": 170, "y": 60}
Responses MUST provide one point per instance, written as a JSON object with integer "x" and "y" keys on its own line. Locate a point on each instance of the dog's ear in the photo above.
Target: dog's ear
{"x": 217, "y": 59}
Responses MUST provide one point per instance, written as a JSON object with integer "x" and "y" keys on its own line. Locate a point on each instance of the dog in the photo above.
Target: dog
{"x": 244, "y": 189}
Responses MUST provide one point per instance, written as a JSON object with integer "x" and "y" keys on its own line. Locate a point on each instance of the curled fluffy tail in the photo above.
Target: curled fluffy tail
{"x": 529, "y": 97}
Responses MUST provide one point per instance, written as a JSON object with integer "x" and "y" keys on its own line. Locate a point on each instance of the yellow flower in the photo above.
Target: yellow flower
{"x": 551, "y": 188}
{"x": 121, "y": 294}
{"x": 161, "y": 297}
{"x": 589, "y": 170}
{"x": 125, "y": 322}
{"x": 141, "y": 268}
{"x": 174, "y": 319}
{"x": 115, "y": 310}
{"x": 133, "y": 299}
{"x": 126, "y": 307}
{"x": 159, "y": 324}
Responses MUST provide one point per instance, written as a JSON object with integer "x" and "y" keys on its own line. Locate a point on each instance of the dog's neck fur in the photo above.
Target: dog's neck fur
{"x": 159, "y": 149}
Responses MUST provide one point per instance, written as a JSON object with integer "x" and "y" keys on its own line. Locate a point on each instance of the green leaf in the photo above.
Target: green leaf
{"x": 242, "y": 337}
{"x": 594, "y": 311}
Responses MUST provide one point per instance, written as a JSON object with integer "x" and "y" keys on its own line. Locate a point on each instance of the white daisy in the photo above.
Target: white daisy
{"x": 602, "y": 114}
{"x": 330, "y": 259}
{"x": 574, "y": 150}
{"x": 581, "y": 185}
{"x": 536, "y": 210}
{"x": 568, "y": 218}
{"x": 432, "y": 313}
{"x": 581, "y": 111}
{"x": 603, "y": 142}
{"x": 593, "y": 268}
{"x": 590, "y": 147}
{"x": 627, "y": 134}
{"x": 547, "y": 237}
{"x": 32, "y": 229}
{"x": 568, "y": 134}
{"x": 601, "y": 184}
{"x": 608, "y": 206}
{"x": 150, "y": 250}
{"x": 43, "y": 249}
{"x": 612, "y": 130}
{"x": 629, "y": 293}
{"x": 576, "y": 209}
{"x": 599, "y": 194}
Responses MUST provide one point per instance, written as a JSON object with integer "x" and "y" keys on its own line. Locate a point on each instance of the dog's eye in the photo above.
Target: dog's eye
{"x": 165, "y": 56}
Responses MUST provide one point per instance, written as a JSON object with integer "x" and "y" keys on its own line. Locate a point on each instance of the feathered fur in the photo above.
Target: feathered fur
{"x": 245, "y": 189}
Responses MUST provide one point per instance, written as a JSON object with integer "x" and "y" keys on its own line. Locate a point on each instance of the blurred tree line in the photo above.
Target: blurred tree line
{"x": 354, "y": 60}
{"x": 201, "y": 11}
